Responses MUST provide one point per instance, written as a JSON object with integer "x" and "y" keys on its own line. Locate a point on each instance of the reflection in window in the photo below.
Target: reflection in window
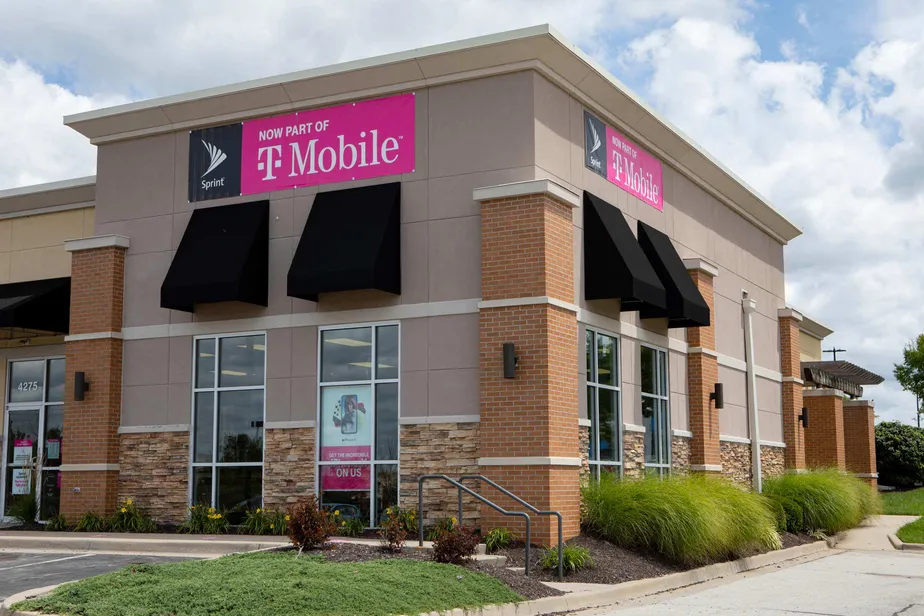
{"x": 603, "y": 402}
{"x": 228, "y": 417}
{"x": 655, "y": 411}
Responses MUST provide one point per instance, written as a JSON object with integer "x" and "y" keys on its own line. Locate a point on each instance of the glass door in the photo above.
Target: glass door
{"x": 22, "y": 450}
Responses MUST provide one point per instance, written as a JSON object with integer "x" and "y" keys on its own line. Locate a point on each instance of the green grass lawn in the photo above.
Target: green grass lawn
{"x": 904, "y": 503}
{"x": 276, "y": 584}
{"x": 913, "y": 532}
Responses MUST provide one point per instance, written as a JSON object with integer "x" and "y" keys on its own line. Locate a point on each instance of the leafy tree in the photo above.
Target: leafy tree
{"x": 910, "y": 373}
{"x": 899, "y": 454}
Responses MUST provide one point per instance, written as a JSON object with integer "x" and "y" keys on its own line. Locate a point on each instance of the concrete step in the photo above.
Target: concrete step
{"x": 517, "y": 570}
{"x": 495, "y": 560}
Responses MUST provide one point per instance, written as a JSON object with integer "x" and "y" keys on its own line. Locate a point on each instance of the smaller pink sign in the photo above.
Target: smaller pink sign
{"x": 22, "y": 452}
{"x": 346, "y": 477}
{"x": 633, "y": 169}
{"x": 346, "y": 453}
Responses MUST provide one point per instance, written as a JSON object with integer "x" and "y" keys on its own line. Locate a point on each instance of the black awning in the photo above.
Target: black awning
{"x": 615, "y": 267}
{"x": 223, "y": 257}
{"x": 41, "y": 305}
{"x": 352, "y": 241}
{"x": 685, "y": 304}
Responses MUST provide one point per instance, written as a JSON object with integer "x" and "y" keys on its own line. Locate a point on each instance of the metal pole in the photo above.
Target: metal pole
{"x": 460, "y": 506}
{"x": 420, "y": 512}
{"x": 561, "y": 569}
{"x": 529, "y": 540}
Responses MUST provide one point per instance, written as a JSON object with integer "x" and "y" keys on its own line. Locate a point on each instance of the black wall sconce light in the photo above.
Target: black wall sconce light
{"x": 81, "y": 385}
{"x": 803, "y": 418}
{"x": 510, "y": 361}
{"x": 718, "y": 396}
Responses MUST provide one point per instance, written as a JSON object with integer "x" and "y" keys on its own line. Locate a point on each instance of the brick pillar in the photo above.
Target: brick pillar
{"x": 528, "y": 438}
{"x": 860, "y": 440}
{"x": 702, "y": 375}
{"x": 824, "y": 437}
{"x": 89, "y": 477}
{"x": 791, "y": 369}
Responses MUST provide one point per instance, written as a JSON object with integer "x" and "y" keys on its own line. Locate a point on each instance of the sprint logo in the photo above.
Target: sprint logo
{"x": 216, "y": 157}
{"x": 595, "y": 136}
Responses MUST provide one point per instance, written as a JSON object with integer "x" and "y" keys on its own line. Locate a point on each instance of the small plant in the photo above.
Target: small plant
{"x": 91, "y": 523}
{"x": 572, "y": 557}
{"x": 309, "y": 525}
{"x": 24, "y": 508}
{"x": 497, "y": 539}
{"x": 353, "y": 527}
{"x": 442, "y": 525}
{"x": 455, "y": 546}
{"x": 393, "y": 532}
{"x": 261, "y": 521}
{"x": 57, "y": 522}
{"x": 408, "y": 518}
{"x": 205, "y": 520}
{"x": 129, "y": 519}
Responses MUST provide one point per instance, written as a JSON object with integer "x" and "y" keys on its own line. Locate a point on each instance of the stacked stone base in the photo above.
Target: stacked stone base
{"x": 633, "y": 454}
{"x": 680, "y": 455}
{"x": 445, "y": 448}
{"x": 736, "y": 462}
{"x": 154, "y": 473}
{"x": 288, "y": 467}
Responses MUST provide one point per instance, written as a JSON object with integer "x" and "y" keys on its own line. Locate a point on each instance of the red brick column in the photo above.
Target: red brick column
{"x": 824, "y": 437}
{"x": 89, "y": 478}
{"x": 860, "y": 440}
{"x": 528, "y": 438}
{"x": 791, "y": 369}
{"x": 702, "y": 375}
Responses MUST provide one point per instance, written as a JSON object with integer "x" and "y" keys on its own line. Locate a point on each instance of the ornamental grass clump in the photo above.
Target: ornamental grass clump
{"x": 687, "y": 520}
{"x": 825, "y": 500}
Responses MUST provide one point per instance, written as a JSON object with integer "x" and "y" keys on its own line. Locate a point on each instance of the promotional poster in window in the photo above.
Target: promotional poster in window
{"x": 346, "y": 423}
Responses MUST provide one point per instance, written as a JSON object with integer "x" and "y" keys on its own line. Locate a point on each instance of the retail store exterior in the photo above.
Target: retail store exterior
{"x": 306, "y": 283}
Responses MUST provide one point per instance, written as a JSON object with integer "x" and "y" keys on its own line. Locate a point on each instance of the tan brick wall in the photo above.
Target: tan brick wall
{"x": 154, "y": 473}
{"x": 445, "y": 448}
{"x": 860, "y": 439}
{"x": 91, "y": 426}
{"x": 790, "y": 366}
{"x": 549, "y": 488}
{"x": 288, "y": 466}
{"x": 680, "y": 455}
{"x": 702, "y": 375}
{"x": 824, "y": 438}
{"x": 528, "y": 251}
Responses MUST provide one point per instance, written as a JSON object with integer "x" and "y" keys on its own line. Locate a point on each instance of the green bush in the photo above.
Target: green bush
{"x": 91, "y": 523}
{"x": 261, "y": 521}
{"x": 57, "y": 522}
{"x": 899, "y": 454}
{"x": 689, "y": 520}
{"x": 442, "y": 525}
{"x": 572, "y": 558}
{"x": 497, "y": 539}
{"x": 353, "y": 527}
{"x": 129, "y": 519}
{"x": 393, "y": 532}
{"x": 205, "y": 520}
{"x": 828, "y": 500}
{"x": 23, "y": 508}
{"x": 789, "y": 515}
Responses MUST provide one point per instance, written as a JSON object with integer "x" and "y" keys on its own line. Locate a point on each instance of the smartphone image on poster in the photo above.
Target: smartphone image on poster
{"x": 349, "y": 419}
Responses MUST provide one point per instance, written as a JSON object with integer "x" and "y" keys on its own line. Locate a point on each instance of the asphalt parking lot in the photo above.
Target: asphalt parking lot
{"x": 21, "y": 571}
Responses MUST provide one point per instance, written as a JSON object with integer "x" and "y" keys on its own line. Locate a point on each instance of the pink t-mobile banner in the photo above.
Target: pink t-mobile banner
{"x": 346, "y": 477}
{"x": 634, "y": 169}
{"x": 355, "y": 141}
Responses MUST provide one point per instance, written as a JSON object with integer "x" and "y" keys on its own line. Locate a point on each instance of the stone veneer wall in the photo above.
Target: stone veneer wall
{"x": 633, "y": 453}
{"x": 288, "y": 466}
{"x": 584, "y": 451}
{"x": 680, "y": 455}
{"x": 154, "y": 473}
{"x": 447, "y": 448}
{"x": 736, "y": 462}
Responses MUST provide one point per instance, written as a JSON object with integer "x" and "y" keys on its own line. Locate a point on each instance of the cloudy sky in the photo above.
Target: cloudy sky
{"x": 819, "y": 104}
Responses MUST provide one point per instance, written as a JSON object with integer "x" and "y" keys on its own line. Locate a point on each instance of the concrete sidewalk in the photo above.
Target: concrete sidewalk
{"x": 873, "y": 535}
{"x": 136, "y": 543}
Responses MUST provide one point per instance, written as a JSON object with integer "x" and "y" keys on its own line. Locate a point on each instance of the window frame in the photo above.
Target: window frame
{"x": 372, "y": 382}
{"x": 215, "y": 390}
{"x": 663, "y": 468}
{"x": 593, "y": 456}
{"x": 41, "y": 406}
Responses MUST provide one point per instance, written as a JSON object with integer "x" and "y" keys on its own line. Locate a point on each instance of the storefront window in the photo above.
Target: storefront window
{"x": 228, "y": 412}
{"x": 358, "y": 421}
{"x": 655, "y": 412}
{"x": 603, "y": 403}
{"x": 33, "y": 435}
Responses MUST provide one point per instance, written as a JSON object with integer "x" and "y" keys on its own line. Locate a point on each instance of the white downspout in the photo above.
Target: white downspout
{"x": 749, "y": 306}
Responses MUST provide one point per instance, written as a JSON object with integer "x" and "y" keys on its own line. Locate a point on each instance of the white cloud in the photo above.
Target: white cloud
{"x": 802, "y": 17}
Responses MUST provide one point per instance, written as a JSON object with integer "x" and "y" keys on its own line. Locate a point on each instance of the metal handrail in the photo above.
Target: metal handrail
{"x": 502, "y": 490}
{"x": 462, "y": 488}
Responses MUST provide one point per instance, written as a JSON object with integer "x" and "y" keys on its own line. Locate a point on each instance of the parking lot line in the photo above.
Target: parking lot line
{"x": 45, "y": 562}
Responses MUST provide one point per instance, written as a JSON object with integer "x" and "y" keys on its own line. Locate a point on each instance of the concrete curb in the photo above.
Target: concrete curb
{"x": 898, "y": 544}
{"x": 584, "y": 600}
{"x": 83, "y": 543}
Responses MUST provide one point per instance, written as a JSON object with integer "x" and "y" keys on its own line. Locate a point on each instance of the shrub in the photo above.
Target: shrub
{"x": 788, "y": 513}
{"x": 24, "y": 509}
{"x": 393, "y": 531}
{"x": 309, "y": 525}
{"x": 57, "y": 522}
{"x": 689, "y": 520}
{"x": 129, "y": 519}
{"x": 899, "y": 454}
{"x": 91, "y": 523}
{"x": 408, "y": 518}
{"x": 353, "y": 527}
{"x": 830, "y": 501}
{"x": 572, "y": 558}
{"x": 497, "y": 539}
{"x": 442, "y": 525}
{"x": 205, "y": 520}
{"x": 261, "y": 521}
{"x": 455, "y": 545}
